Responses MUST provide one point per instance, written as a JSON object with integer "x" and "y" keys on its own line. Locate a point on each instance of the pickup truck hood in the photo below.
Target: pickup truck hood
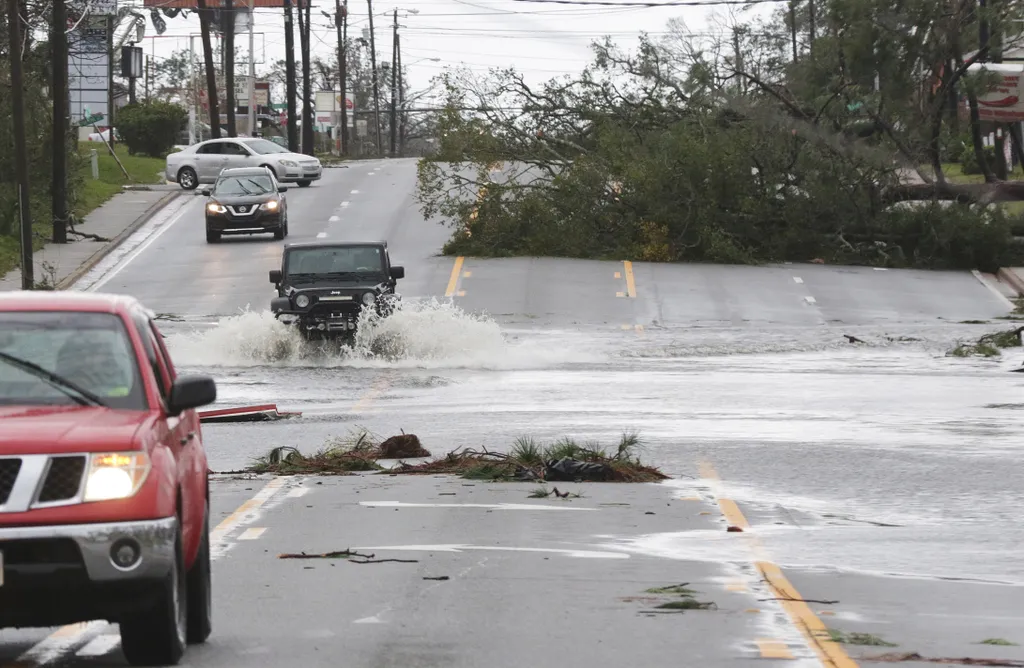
{"x": 30, "y": 430}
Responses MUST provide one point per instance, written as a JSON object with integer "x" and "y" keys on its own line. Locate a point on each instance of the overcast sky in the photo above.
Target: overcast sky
{"x": 542, "y": 40}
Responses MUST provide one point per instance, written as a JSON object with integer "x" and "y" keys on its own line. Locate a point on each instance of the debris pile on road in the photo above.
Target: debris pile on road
{"x": 563, "y": 461}
{"x": 990, "y": 344}
{"x": 965, "y": 661}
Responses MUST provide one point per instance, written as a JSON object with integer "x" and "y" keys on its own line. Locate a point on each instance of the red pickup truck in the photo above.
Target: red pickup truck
{"x": 104, "y": 497}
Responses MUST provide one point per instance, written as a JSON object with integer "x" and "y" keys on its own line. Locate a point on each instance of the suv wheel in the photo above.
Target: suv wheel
{"x": 188, "y": 179}
{"x": 280, "y": 232}
{"x": 156, "y": 637}
{"x": 211, "y": 236}
{"x": 200, "y": 591}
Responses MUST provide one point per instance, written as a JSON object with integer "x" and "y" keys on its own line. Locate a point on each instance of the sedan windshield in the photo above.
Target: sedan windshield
{"x": 340, "y": 260}
{"x": 258, "y": 184}
{"x": 263, "y": 146}
{"x": 67, "y": 358}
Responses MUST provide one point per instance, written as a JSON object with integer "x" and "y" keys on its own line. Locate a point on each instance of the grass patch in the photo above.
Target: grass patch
{"x": 564, "y": 460}
{"x": 686, "y": 604}
{"x": 989, "y": 345}
{"x": 997, "y": 641}
{"x": 95, "y": 192}
{"x": 679, "y": 590}
{"x": 858, "y": 639}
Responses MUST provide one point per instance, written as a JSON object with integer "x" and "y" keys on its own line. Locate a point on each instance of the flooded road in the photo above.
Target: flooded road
{"x": 862, "y": 469}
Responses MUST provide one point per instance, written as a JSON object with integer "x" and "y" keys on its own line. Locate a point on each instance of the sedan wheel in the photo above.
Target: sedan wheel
{"x": 304, "y": 184}
{"x": 188, "y": 179}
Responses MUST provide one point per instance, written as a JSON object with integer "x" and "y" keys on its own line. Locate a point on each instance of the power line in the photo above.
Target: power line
{"x": 667, "y": 3}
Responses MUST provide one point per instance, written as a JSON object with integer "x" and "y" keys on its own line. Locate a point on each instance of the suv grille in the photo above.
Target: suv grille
{"x": 8, "y": 474}
{"x": 63, "y": 479}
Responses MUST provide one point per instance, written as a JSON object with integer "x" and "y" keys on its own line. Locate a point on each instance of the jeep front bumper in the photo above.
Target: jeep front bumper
{"x": 325, "y": 322}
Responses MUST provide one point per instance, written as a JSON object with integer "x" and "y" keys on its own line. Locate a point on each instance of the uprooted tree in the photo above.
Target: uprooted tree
{"x": 733, "y": 151}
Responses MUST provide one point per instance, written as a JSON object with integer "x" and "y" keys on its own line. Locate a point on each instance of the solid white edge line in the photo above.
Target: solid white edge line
{"x": 1010, "y": 305}
{"x": 100, "y": 645}
{"x": 117, "y": 269}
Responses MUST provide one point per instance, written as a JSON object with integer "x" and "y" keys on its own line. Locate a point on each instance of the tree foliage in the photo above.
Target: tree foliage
{"x": 728, "y": 150}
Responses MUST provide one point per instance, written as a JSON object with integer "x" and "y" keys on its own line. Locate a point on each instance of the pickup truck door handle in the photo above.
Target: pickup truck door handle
{"x": 186, "y": 439}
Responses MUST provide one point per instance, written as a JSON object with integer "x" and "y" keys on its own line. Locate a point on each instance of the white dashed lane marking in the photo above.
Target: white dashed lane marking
{"x": 252, "y": 533}
{"x": 810, "y": 300}
{"x": 321, "y": 235}
{"x": 333, "y": 219}
{"x": 797, "y": 279}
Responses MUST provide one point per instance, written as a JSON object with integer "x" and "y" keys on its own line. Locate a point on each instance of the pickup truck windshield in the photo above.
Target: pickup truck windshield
{"x": 334, "y": 260}
{"x": 91, "y": 351}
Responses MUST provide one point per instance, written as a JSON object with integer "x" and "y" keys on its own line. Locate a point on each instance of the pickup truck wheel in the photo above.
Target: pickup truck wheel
{"x": 200, "y": 593}
{"x": 156, "y": 637}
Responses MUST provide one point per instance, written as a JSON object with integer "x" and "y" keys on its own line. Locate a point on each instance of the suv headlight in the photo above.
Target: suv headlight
{"x": 115, "y": 475}
{"x": 302, "y": 301}
{"x": 216, "y": 208}
{"x": 270, "y": 206}
{"x": 368, "y": 298}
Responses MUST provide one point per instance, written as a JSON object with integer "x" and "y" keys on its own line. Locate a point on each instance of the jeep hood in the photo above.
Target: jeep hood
{"x": 31, "y": 430}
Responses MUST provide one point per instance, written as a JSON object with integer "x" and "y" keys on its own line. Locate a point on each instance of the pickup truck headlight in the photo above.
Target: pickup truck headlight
{"x": 302, "y": 301}
{"x": 115, "y": 475}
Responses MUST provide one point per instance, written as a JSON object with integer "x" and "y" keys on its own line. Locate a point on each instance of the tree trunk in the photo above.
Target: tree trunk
{"x": 211, "y": 73}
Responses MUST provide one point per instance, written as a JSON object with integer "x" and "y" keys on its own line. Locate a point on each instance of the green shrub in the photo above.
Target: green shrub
{"x": 150, "y": 128}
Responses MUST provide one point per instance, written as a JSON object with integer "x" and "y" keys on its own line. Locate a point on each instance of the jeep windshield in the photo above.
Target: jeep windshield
{"x": 67, "y": 358}
{"x": 234, "y": 186}
{"x": 336, "y": 262}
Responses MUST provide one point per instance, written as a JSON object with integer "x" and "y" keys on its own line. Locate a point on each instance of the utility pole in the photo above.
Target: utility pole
{"x": 59, "y": 88}
{"x": 401, "y": 102}
{"x": 394, "y": 85}
{"x": 211, "y": 75}
{"x": 229, "y": 25}
{"x": 289, "y": 78}
{"x": 792, "y": 26}
{"x": 307, "y": 116}
{"x": 341, "y": 21}
{"x": 252, "y": 71}
{"x": 20, "y": 150}
{"x": 376, "y": 87}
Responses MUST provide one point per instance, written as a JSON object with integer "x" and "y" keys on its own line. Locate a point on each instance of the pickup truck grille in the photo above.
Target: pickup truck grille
{"x": 63, "y": 479}
{"x": 8, "y": 474}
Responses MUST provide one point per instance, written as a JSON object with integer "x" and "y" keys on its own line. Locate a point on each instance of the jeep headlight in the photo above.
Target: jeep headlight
{"x": 115, "y": 475}
{"x": 302, "y": 301}
{"x": 368, "y": 298}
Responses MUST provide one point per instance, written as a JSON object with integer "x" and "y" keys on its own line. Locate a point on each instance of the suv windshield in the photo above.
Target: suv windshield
{"x": 263, "y": 147}
{"x": 335, "y": 260}
{"x": 257, "y": 184}
{"x": 90, "y": 351}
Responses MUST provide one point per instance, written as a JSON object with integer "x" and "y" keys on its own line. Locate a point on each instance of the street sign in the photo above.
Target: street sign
{"x": 91, "y": 119}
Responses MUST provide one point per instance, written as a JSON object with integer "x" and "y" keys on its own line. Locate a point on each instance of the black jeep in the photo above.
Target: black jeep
{"x": 323, "y": 286}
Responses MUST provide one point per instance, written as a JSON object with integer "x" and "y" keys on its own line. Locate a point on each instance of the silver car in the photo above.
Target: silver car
{"x": 203, "y": 162}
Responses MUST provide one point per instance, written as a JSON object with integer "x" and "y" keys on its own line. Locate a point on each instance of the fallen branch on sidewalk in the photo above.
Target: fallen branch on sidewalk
{"x": 563, "y": 461}
{"x": 798, "y": 600}
{"x": 990, "y": 344}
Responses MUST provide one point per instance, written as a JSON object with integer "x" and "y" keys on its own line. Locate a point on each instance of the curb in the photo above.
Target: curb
{"x": 1012, "y": 279}
{"x": 109, "y": 247}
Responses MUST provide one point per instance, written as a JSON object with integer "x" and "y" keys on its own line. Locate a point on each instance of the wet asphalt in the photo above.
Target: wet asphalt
{"x": 881, "y": 475}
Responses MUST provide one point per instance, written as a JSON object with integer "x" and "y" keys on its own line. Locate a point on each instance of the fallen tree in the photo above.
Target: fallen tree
{"x": 671, "y": 154}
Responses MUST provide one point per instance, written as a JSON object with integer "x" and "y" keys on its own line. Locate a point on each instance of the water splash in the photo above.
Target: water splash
{"x": 426, "y": 334}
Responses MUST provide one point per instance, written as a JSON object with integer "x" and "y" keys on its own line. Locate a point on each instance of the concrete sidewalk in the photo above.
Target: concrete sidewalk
{"x": 113, "y": 222}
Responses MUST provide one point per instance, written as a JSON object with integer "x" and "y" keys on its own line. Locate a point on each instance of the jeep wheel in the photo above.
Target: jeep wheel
{"x": 200, "y": 591}
{"x": 156, "y": 637}
{"x": 304, "y": 184}
{"x": 211, "y": 236}
{"x": 188, "y": 179}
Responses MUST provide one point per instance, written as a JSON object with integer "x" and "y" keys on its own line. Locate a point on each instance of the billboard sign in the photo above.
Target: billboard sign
{"x": 1004, "y": 101}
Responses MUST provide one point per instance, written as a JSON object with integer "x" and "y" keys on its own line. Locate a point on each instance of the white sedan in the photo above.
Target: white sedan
{"x": 203, "y": 162}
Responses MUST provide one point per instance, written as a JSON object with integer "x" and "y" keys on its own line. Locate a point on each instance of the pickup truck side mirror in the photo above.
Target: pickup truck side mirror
{"x": 191, "y": 392}
{"x": 275, "y": 276}
{"x": 397, "y": 272}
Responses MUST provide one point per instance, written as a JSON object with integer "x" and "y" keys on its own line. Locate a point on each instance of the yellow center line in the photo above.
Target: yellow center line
{"x": 630, "y": 280}
{"x": 810, "y": 625}
{"x": 453, "y": 280}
